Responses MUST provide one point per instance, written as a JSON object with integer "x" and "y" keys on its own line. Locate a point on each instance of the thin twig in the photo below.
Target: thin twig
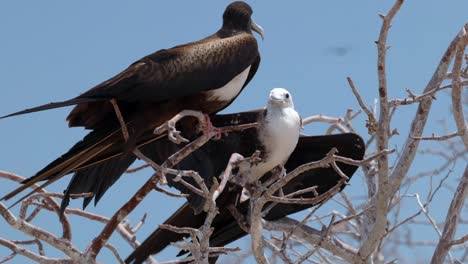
{"x": 115, "y": 252}
{"x": 439, "y": 138}
{"x": 372, "y": 123}
{"x": 312, "y": 236}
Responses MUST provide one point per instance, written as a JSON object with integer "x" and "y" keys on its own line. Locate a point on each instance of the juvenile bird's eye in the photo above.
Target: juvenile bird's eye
{"x": 287, "y": 95}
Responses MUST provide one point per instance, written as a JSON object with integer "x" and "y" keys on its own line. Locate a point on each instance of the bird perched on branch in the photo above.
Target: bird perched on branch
{"x": 211, "y": 160}
{"x": 205, "y": 75}
{"x": 276, "y": 137}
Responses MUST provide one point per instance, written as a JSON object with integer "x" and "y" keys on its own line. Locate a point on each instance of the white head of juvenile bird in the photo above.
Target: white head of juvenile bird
{"x": 280, "y": 98}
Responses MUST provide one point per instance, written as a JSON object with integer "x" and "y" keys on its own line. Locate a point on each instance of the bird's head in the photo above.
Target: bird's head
{"x": 238, "y": 16}
{"x": 280, "y": 97}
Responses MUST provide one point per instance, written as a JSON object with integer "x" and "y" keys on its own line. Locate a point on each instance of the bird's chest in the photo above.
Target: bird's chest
{"x": 279, "y": 136}
{"x": 230, "y": 90}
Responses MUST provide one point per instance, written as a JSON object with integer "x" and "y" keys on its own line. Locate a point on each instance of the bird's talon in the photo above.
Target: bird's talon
{"x": 207, "y": 125}
{"x": 160, "y": 129}
{"x": 163, "y": 180}
{"x": 175, "y": 137}
{"x": 172, "y": 133}
{"x": 218, "y": 133}
{"x": 208, "y": 128}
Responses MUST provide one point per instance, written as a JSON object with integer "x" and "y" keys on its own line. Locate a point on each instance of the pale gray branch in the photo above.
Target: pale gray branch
{"x": 419, "y": 121}
{"x": 457, "y": 87}
{"x": 313, "y": 237}
{"x": 451, "y": 221}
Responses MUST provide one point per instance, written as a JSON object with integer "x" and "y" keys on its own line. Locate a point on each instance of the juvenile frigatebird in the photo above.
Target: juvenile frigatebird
{"x": 211, "y": 160}
{"x": 276, "y": 137}
{"x": 206, "y": 75}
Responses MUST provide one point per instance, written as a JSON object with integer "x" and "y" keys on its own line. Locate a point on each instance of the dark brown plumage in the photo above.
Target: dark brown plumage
{"x": 211, "y": 160}
{"x": 149, "y": 92}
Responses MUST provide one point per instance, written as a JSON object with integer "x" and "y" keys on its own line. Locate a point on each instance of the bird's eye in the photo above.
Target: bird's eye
{"x": 287, "y": 95}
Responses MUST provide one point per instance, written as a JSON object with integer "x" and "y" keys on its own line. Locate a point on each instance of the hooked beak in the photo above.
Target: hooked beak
{"x": 277, "y": 101}
{"x": 257, "y": 28}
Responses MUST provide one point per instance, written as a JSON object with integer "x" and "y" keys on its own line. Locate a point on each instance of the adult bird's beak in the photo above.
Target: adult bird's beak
{"x": 257, "y": 28}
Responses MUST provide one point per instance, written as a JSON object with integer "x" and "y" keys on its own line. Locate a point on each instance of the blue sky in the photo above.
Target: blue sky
{"x": 55, "y": 50}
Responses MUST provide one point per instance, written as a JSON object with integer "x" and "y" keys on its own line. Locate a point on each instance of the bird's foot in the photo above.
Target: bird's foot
{"x": 175, "y": 136}
{"x": 243, "y": 165}
{"x": 280, "y": 169}
{"x": 251, "y": 189}
{"x": 277, "y": 173}
{"x": 254, "y": 159}
{"x": 218, "y": 133}
{"x": 172, "y": 133}
{"x": 208, "y": 128}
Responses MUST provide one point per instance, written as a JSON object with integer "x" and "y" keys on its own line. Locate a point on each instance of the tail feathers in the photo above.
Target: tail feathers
{"x": 161, "y": 238}
{"x": 66, "y": 164}
{"x": 97, "y": 161}
{"x": 78, "y": 162}
{"x": 89, "y": 141}
{"x": 96, "y": 179}
{"x": 110, "y": 172}
{"x": 98, "y": 176}
{"x": 48, "y": 106}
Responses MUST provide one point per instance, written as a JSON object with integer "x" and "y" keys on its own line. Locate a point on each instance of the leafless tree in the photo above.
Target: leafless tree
{"x": 372, "y": 228}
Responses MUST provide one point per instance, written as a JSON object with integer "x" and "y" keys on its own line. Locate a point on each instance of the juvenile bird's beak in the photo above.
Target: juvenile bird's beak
{"x": 257, "y": 28}
{"x": 278, "y": 101}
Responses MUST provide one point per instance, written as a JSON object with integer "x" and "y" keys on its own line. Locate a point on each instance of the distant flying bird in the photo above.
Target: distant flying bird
{"x": 339, "y": 50}
{"x": 206, "y": 75}
{"x": 211, "y": 160}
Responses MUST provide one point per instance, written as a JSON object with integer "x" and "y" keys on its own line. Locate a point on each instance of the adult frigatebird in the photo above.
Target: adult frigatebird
{"x": 211, "y": 160}
{"x": 206, "y": 75}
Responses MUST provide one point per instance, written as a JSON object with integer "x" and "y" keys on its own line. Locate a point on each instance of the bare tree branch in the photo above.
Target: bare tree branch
{"x": 371, "y": 122}
{"x": 370, "y": 227}
{"x": 457, "y": 87}
{"x": 419, "y": 121}
{"x": 313, "y": 237}
{"x": 378, "y": 221}
{"x": 451, "y": 221}
{"x": 31, "y": 255}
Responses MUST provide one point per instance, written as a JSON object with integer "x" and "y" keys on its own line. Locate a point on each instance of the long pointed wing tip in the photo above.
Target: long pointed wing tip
{"x": 52, "y": 105}
{"x": 7, "y": 197}
{"x": 11, "y": 206}
{"x": 22, "y": 112}
{"x": 14, "y": 114}
{"x": 6, "y": 116}
{"x": 13, "y": 193}
{"x": 14, "y": 204}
